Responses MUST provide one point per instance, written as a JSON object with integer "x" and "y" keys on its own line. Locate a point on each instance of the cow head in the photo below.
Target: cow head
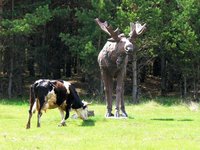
{"x": 124, "y": 44}
{"x": 83, "y": 111}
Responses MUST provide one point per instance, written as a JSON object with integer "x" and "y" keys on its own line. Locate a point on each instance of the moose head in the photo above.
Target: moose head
{"x": 113, "y": 60}
{"x": 125, "y": 44}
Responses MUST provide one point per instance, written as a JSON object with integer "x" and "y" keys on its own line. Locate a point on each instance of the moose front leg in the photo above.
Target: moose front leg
{"x": 124, "y": 114}
{"x": 108, "y": 88}
{"x": 120, "y": 95}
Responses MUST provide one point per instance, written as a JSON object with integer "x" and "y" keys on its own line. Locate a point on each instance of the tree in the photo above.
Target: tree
{"x": 59, "y": 39}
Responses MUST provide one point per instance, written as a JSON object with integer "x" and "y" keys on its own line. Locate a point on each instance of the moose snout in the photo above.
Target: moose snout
{"x": 129, "y": 50}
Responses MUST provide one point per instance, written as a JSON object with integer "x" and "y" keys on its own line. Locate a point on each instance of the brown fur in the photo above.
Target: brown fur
{"x": 113, "y": 60}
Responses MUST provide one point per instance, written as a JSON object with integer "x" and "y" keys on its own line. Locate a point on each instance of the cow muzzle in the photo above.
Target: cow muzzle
{"x": 82, "y": 113}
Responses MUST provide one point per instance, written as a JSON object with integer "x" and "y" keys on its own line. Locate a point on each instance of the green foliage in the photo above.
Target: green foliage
{"x": 61, "y": 12}
{"x": 50, "y": 28}
{"x": 28, "y": 23}
{"x": 89, "y": 51}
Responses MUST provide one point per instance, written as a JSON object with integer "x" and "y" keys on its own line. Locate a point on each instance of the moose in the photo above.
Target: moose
{"x": 113, "y": 59}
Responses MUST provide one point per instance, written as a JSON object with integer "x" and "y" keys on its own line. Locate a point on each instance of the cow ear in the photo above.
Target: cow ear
{"x": 84, "y": 106}
{"x": 53, "y": 83}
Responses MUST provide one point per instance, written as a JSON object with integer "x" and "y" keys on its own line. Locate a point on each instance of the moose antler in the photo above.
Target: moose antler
{"x": 136, "y": 29}
{"x": 108, "y": 29}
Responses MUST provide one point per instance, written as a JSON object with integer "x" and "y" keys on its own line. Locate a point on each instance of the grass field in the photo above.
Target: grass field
{"x": 150, "y": 126}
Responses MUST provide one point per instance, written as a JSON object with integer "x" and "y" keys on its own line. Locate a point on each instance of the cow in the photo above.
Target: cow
{"x": 49, "y": 94}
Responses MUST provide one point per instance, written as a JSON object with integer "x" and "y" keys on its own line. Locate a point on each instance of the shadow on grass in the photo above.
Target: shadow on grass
{"x": 131, "y": 117}
{"x": 185, "y": 120}
{"x": 163, "y": 119}
{"x": 88, "y": 122}
{"x": 170, "y": 119}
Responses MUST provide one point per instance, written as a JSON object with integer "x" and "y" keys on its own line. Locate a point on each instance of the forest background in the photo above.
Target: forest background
{"x": 58, "y": 39}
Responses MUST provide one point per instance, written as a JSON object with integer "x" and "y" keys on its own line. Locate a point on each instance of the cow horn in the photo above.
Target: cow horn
{"x": 86, "y": 103}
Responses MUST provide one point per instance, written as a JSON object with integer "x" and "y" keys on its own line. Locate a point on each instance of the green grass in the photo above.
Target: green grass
{"x": 150, "y": 126}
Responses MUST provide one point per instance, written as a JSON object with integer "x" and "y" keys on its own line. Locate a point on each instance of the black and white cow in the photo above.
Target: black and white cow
{"x": 49, "y": 94}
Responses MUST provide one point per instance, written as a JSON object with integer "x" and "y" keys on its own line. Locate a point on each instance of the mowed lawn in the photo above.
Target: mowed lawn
{"x": 149, "y": 126}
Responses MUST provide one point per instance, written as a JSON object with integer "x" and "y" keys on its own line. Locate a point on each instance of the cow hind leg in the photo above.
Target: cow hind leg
{"x": 32, "y": 106}
{"x": 31, "y": 111}
{"x": 40, "y": 106}
{"x": 39, "y": 118}
{"x": 28, "y": 125}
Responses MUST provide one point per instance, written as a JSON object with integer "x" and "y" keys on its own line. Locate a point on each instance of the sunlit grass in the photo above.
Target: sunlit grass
{"x": 149, "y": 126}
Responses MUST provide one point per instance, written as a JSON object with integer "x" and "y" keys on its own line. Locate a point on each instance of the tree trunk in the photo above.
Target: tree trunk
{"x": 68, "y": 68}
{"x": 10, "y": 77}
{"x": 194, "y": 89}
{"x": 1, "y": 45}
{"x": 134, "y": 66}
{"x": 11, "y": 61}
{"x": 195, "y": 82}
{"x": 185, "y": 86}
{"x": 44, "y": 57}
{"x": 30, "y": 65}
{"x": 163, "y": 75}
{"x": 1, "y": 8}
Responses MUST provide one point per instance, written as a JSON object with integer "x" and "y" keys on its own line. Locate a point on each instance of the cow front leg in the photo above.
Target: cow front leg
{"x": 66, "y": 115}
{"x": 62, "y": 123}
